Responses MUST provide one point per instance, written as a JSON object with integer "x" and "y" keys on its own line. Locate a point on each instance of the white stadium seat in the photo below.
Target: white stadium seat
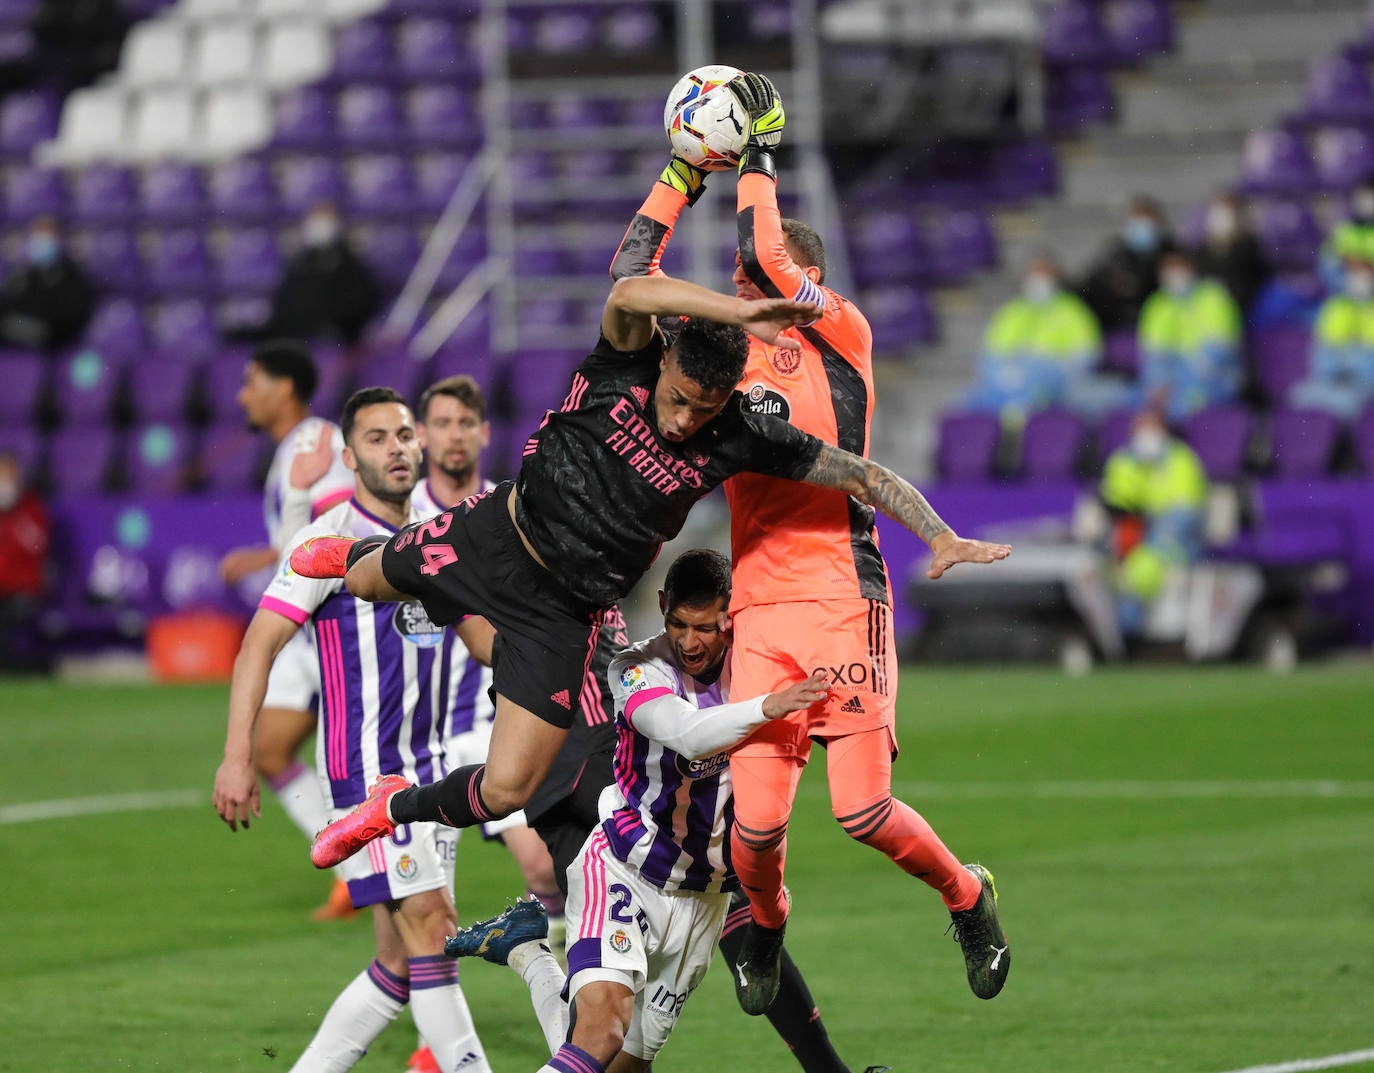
{"x": 226, "y": 52}
{"x": 201, "y": 10}
{"x": 165, "y": 125}
{"x": 94, "y": 127}
{"x": 296, "y": 52}
{"x": 237, "y": 119}
{"x": 154, "y": 53}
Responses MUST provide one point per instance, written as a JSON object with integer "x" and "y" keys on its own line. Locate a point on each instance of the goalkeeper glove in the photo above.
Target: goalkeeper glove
{"x": 686, "y": 179}
{"x": 757, "y": 95}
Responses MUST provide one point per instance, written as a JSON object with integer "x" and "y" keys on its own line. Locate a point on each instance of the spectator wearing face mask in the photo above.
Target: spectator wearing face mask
{"x": 1352, "y": 238}
{"x": 1230, "y": 252}
{"x": 1190, "y": 336}
{"x": 327, "y": 290}
{"x": 1034, "y": 347}
{"x": 1340, "y": 376}
{"x": 1126, "y": 272}
{"x": 25, "y": 536}
{"x": 1155, "y": 490}
{"x": 46, "y": 303}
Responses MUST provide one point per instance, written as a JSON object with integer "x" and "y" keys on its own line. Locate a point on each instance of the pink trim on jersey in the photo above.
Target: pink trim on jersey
{"x": 643, "y": 697}
{"x": 281, "y": 607}
{"x": 594, "y": 885}
{"x": 376, "y": 856}
{"x": 330, "y": 499}
{"x": 579, "y": 387}
{"x": 335, "y": 699}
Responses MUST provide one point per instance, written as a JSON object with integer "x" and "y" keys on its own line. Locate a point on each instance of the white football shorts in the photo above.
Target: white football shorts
{"x": 414, "y": 858}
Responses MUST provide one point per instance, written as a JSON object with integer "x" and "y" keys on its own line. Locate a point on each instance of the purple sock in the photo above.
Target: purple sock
{"x": 570, "y": 1059}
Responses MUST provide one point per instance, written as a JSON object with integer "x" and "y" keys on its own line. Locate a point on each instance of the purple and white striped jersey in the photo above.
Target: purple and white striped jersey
{"x": 388, "y": 688}
{"x": 668, "y": 812}
{"x": 332, "y": 488}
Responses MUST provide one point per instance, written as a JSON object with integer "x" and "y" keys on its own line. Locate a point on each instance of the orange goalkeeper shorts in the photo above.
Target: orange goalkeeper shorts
{"x": 850, "y": 640}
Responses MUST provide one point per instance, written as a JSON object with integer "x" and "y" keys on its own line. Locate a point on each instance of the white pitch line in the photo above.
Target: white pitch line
{"x": 1301, "y": 1065}
{"x": 1097, "y": 789}
{"x": 94, "y": 806}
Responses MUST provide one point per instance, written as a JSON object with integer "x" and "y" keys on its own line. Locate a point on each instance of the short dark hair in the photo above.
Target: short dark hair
{"x": 289, "y": 359}
{"x": 462, "y": 388}
{"x": 362, "y": 398}
{"x": 712, "y": 354}
{"x": 697, "y": 577}
{"x": 807, "y": 243}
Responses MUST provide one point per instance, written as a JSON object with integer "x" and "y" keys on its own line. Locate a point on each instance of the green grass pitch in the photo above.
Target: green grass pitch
{"x": 1184, "y": 859}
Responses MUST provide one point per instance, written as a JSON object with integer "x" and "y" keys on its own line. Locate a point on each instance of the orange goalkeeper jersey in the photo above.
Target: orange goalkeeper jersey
{"x": 790, "y": 541}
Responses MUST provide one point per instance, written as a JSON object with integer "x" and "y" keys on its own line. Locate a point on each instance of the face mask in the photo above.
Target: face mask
{"x": 319, "y": 230}
{"x": 42, "y": 250}
{"x": 1177, "y": 282}
{"x": 9, "y": 494}
{"x": 1149, "y": 444}
{"x": 1038, "y": 288}
{"x": 1221, "y": 222}
{"x": 1140, "y": 234}
{"x": 1362, "y": 205}
{"x": 1359, "y": 284}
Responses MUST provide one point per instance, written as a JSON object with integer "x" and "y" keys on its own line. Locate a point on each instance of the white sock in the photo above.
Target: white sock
{"x": 298, "y": 790}
{"x": 362, "y": 1010}
{"x": 545, "y": 978}
{"x": 441, "y": 1014}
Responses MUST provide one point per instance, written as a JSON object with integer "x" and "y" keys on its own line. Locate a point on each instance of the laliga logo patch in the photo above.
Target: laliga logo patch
{"x": 630, "y": 677}
{"x": 786, "y": 362}
{"x": 406, "y": 867}
{"x": 762, "y": 400}
{"x": 411, "y": 622}
{"x": 620, "y": 942}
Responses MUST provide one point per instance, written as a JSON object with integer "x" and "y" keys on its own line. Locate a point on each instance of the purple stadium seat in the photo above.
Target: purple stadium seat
{"x": 180, "y": 263}
{"x": 220, "y": 386}
{"x": 88, "y": 386}
{"x": 1138, "y": 28}
{"x": 23, "y": 376}
{"x": 1121, "y": 352}
{"x": 184, "y": 330}
{"x": 1077, "y": 96}
{"x": 25, "y": 443}
{"x": 1073, "y": 34}
{"x": 1114, "y": 432}
{"x": 250, "y": 263}
{"x": 117, "y": 331}
{"x": 1342, "y": 156}
{"x": 1024, "y": 168}
{"x": 1221, "y": 437}
{"x": 305, "y": 119}
{"x": 26, "y": 120}
{"x": 30, "y": 192}
{"x": 544, "y": 259}
{"x": 81, "y": 459}
{"x": 889, "y": 247}
{"x": 1303, "y": 442}
{"x": 561, "y": 32}
{"x": 162, "y": 388}
{"x": 577, "y": 112}
{"x": 392, "y": 251}
{"x": 104, "y": 194}
{"x": 968, "y": 447}
{"x": 1276, "y": 162}
{"x": 1363, "y": 435}
{"x": 159, "y": 458}
{"x": 113, "y": 259}
{"x": 432, "y": 50}
{"x": 442, "y": 115}
{"x": 436, "y": 176}
{"x": 306, "y": 181}
{"x": 244, "y": 191}
{"x": 900, "y": 316}
{"x": 632, "y": 28}
{"x": 1289, "y": 233}
{"x": 172, "y": 193}
{"x": 370, "y": 117}
{"x": 1281, "y": 358}
{"x": 363, "y": 53}
{"x": 381, "y": 186}
{"x": 1338, "y": 91}
{"x": 232, "y": 458}
{"x": 458, "y": 356}
{"x": 393, "y": 368}
{"x": 1052, "y": 445}
{"x": 961, "y": 242}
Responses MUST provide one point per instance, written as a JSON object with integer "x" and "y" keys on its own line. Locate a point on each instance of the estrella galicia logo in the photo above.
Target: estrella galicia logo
{"x": 411, "y": 622}
{"x": 762, "y": 400}
{"x": 704, "y": 768}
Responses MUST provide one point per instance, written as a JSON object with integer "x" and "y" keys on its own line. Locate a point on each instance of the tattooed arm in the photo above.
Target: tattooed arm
{"x": 885, "y": 491}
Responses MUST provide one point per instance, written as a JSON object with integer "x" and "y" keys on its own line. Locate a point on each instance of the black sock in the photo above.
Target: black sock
{"x": 793, "y": 1014}
{"x": 455, "y": 801}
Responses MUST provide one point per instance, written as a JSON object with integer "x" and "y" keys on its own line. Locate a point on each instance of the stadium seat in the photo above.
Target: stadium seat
{"x": 23, "y": 375}
{"x": 1276, "y": 162}
{"x": 1289, "y": 234}
{"x": 172, "y": 193}
{"x": 461, "y": 357}
{"x": 81, "y": 459}
{"x": 1078, "y": 96}
{"x": 1114, "y": 432}
{"x": 25, "y": 443}
{"x": 363, "y": 52}
{"x": 961, "y": 242}
{"x": 440, "y": 116}
{"x": 391, "y": 250}
{"x": 179, "y": 264}
{"x": 1121, "y": 352}
{"x": 436, "y": 177}
{"x": 967, "y": 447}
{"x": 432, "y": 50}
{"x": 1281, "y": 357}
{"x": 33, "y": 191}
{"x": 185, "y": 330}
{"x": 889, "y": 247}
{"x": 26, "y": 121}
{"x": 88, "y": 387}
{"x": 165, "y": 124}
{"x": 1221, "y": 437}
{"x": 632, "y": 28}
{"x": 1343, "y": 157}
{"x": 237, "y": 119}
{"x": 155, "y": 53}
{"x": 1073, "y": 33}
{"x": 562, "y": 32}
{"x": 162, "y": 388}
{"x": 1338, "y": 91}
{"x": 305, "y": 119}
{"x": 159, "y": 459}
{"x": 94, "y": 125}
{"x": 225, "y": 52}
{"x": 1137, "y": 29}
{"x": 306, "y": 181}
{"x": 393, "y": 368}
{"x": 370, "y": 117}
{"x": 249, "y": 263}
{"x": 244, "y": 191}
{"x": 220, "y": 385}
{"x": 381, "y": 187}
{"x": 1303, "y": 442}
{"x": 900, "y": 316}
{"x": 112, "y": 258}
{"x": 104, "y": 194}
{"x": 117, "y": 331}
{"x": 1053, "y": 443}
{"x": 296, "y": 52}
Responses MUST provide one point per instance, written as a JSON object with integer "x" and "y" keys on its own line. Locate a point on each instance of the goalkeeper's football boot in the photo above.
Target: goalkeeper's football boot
{"x": 494, "y": 939}
{"x": 758, "y": 971}
{"x": 987, "y": 953}
{"x": 368, "y": 821}
{"x": 322, "y": 556}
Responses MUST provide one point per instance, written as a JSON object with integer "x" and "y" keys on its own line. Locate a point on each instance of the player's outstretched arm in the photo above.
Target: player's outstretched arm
{"x": 635, "y": 303}
{"x": 880, "y": 488}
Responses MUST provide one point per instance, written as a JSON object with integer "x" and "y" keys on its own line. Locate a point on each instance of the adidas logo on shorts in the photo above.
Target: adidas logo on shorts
{"x": 562, "y": 699}
{"x": 852, "y": 705}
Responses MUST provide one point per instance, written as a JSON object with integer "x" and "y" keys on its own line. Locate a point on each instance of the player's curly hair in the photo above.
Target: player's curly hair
{"x": 696, "y": 578}
{"x": 289, "y": 359}
{"x": 711, "y": 353}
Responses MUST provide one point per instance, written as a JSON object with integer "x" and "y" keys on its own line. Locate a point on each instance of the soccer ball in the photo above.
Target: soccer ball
{"x": 705, "y": 124}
